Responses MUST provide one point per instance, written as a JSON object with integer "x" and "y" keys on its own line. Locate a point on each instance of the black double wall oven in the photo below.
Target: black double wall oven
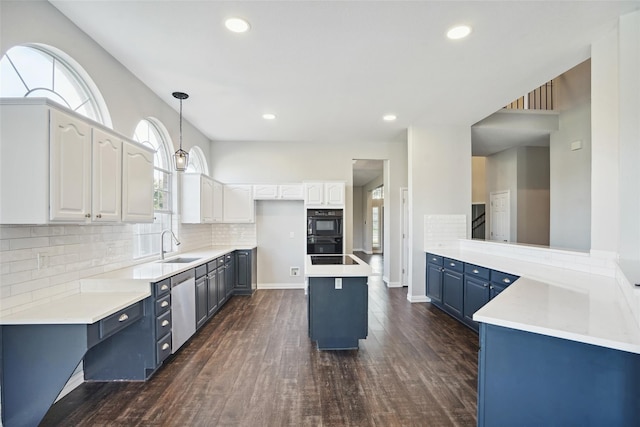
{"x": 324, "y": 231}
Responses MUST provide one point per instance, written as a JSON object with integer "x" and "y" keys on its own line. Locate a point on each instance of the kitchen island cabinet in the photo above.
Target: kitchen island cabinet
{"x": 337, "y": 301}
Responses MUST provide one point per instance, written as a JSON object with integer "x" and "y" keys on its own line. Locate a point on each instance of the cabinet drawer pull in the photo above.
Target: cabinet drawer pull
{"x": 123, "y": 317}
{"x": 485, "y": 284}
{"x": 452, "y": 264}
{"x": 165, "y": 346}
{"x": 164, "y": 287}
{"x": 475, "y": 271}
{"x": 165, "y": 323}
{"x": 164, "y": 304}
{"x": 506, "y": 280}
{"x": 434, "y": 259}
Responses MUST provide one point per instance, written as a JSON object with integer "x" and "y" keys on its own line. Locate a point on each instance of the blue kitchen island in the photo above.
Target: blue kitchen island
{"x": 337, "y": 300}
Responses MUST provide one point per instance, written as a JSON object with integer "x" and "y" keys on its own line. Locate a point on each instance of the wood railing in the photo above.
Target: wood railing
{"x": 538, "y": 99}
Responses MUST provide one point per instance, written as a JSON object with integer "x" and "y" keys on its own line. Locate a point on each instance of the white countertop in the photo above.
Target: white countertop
{"x": 105, "y": 294}
{"x": 557, "y": 302}
{"x": 362, "y": 269}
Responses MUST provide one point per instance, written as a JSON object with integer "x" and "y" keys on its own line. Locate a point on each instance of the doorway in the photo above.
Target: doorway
{"x": 368, "y": 213}
{"x": 500, "y": 216}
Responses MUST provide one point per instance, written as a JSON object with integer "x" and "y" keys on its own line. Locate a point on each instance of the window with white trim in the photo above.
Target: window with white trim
{"x": 197, "y": 161}
{"x": 32, "y": 71}
{"x": 146, "y": 240}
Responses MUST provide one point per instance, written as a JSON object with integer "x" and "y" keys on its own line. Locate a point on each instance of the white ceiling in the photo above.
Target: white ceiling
{"x": 331, "y": 69}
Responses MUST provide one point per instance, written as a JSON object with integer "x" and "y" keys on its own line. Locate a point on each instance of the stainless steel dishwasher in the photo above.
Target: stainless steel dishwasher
{"x": 183, "y": 308}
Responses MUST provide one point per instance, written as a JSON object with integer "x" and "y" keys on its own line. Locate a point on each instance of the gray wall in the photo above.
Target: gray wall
{"x": 281, "y": 234}
{"x": 358, "y": 218}
{"x": 570, "y": 173}
{"x": 533, "y": 195}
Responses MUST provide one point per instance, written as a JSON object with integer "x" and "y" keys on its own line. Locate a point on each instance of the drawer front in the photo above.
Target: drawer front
{"x": 163, "y": 287}
{"x": 504, "y": 279}
{"x": 163, "y": 324}
{"x": 212, "y": 265}
{"x": 453, "y": 264}
{"x": 163, "y": 348}
{"x": 220, "y": 261}
{"x": 477, "y": 271}
{"x": 163, "y": 304}
{"x": 434, "y": 259}
{"x": 121, "y": 319}
{"x": 201, "y": 271}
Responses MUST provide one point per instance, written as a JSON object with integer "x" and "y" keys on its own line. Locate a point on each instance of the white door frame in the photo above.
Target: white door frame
{"x": 404, "y": 230}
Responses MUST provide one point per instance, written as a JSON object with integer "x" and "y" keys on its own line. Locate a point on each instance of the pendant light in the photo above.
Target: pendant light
{"x": 181, "y": 157}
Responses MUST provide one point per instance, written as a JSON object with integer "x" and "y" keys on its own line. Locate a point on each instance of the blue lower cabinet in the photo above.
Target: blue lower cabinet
{"x": 460, "y": 289}
{"x": 527, "y": 379}
{"x": 337, "y": 315}
{"x": 453, "y": 293}
{"x": 476, "y": 294}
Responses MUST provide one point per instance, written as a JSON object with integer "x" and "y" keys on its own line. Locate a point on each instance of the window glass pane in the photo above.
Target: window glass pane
{"x": 34, "y": 72}
{"x": 147, "y": 236}
{"x": 34, "y": 66}
{"x": 10, "y": 84}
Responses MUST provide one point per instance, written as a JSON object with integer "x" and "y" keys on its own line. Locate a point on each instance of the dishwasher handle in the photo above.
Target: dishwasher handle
{"x": 182, "y": 277}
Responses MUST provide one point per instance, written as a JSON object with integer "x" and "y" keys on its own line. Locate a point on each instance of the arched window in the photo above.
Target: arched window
{"x": 151, "y": 133}
{"x": 197, "y": 161}
{"x": 40, "y": 71}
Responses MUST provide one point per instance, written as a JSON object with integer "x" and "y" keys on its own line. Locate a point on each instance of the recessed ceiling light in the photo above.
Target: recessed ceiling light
{"x": 269, "y": 116}
{"x": 237, "y": 25}
{"x": 459, "y": 32}
{"x": 389, "y": 117}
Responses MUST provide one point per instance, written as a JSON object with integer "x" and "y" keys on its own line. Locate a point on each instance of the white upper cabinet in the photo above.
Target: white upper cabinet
{"x": 137, "y": 183}
{"x": 200, "y": 197}
{"x": 278, "y": 192}
{"x": 324, "y": 194}
{"x": 218, "y": 195}
{"x": 106, "y": 181}
{"x": 56, "y": 166}
{"x": 265, "y": 192}
{"x": 238, "y": 203}
{"x": 70, "y": 173}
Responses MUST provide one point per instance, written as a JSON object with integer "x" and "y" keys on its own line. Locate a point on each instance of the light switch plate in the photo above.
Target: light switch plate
{"x": 338, "y": 282}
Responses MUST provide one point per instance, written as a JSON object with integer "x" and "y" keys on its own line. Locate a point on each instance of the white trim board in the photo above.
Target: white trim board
{"x": 281, "y": 285}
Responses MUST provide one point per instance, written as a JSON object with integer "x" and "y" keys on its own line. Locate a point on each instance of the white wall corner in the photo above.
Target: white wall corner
{"x": 418, "y": 298}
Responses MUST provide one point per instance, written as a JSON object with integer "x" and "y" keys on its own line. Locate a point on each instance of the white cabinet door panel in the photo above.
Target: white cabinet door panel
{"x": 106, "y": 177}
{"x": 137, "y": 184}
{"x": 70, "y": 184}
{"x": 238, "y": 204}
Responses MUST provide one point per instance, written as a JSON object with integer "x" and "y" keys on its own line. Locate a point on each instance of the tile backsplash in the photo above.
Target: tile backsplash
{"x": 41, "y": 263}
{"x": 443, "y": 230}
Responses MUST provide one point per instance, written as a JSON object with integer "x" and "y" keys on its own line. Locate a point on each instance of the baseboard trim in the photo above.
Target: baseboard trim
{"x": 281, "y": 285}
{"x": 392, "y": 284}
{"x": 74, "y": 382}
{"x": 418, "y": 298}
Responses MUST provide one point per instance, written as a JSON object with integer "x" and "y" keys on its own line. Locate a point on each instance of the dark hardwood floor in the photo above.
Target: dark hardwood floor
{"x": 254, "y": 365}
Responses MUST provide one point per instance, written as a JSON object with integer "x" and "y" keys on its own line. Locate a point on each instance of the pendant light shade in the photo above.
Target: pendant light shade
{"x": 181, "y": 157}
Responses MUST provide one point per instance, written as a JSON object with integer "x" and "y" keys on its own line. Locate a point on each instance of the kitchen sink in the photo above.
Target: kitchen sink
{"x": 179, "y": 260}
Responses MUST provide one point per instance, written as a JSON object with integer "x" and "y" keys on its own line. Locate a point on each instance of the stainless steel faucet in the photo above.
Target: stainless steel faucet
{"x": 175, "y": 240}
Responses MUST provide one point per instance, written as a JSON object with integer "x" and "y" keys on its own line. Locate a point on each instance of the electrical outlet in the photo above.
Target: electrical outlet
{"x": 110, "y": 252}
{"x": 294, "y": 271}
{"x": 338, "y": 283}
{"x": 43, "y": 260}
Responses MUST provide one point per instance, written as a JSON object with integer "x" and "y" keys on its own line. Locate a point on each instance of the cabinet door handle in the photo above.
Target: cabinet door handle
{"x": 491, "y": 287}
{"x": 475, "y": 271}
{"x": 164, "y": 287}
{"x": 87, "y": 215}
{"x": 505, "y": 280}
{"x": 99, "y": 216}
{"x": 164, "y": 304}
{"x": 165, "y": 346}
{"x": 123, "y": 317}
{"x": 165, "y": 323}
